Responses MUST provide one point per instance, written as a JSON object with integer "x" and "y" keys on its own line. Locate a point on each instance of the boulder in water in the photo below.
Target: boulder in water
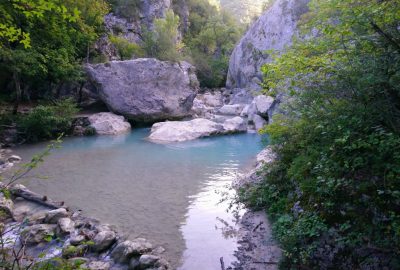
{"x": 109, "y": 124}
{"x": 167, "y": 132}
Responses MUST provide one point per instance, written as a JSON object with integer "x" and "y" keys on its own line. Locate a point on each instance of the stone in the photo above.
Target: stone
{"x": 98, "y": 265}
{"x": 134, "y": 264}
{"x": 236, "y": 124}
{"x": 263, "y": 104}
{"x": 103, "y": 240}
{"x": 109, "y": 124}
{"x": 76, "y": 240}
{"x": 167, "y": 132}
{"x": 258, "y": 122}
{"x": 207, "y": 103}
{"x": 74, "y": 251}
{"x": 65, "y": 226}
{"x": 245, "y": 111}
{"x": 234, "y": 109}
{"x": 38, "y": 233}
{"x": 240, "y": 96}
{"x": 124, "y": 251}
{"x": 53, "y": 216}
{"x": 37, "y": 217}
{"x": 146, "y": 90}
{"x": 6, "y": 207}
{"x": 274, "y": 30}
{"x": 14, "y": 159}
{"x": 148, "y": 261}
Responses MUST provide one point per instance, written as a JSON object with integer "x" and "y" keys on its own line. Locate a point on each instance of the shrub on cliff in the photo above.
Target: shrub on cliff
{"x": 334, "y": 192}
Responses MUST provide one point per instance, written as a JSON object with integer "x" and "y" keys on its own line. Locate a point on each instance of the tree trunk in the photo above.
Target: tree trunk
{"x": 18, "y": 92}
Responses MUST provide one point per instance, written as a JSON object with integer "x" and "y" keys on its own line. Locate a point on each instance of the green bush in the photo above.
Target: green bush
{"x": 334, "y": 192}
{"x": 48, "y": 121}
{"x": 126, "y": 50}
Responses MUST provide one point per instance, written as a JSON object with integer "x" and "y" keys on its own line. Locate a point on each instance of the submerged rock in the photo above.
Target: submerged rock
{"x": 109, "y": 124}
{"x": 146, "y": 90}
{"x": 167, "y": 132}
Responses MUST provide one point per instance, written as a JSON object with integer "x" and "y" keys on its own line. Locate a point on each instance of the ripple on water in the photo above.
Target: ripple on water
{"x": 170, "y": 194}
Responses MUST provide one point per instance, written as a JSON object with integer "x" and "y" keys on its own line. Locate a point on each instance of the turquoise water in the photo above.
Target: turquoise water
{"x": 169, "y": 194}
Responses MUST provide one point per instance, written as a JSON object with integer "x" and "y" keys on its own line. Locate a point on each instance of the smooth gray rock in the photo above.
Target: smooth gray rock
{"x": 65, "y": 226}
{"x": 109, "y": 124}
{"x": 76, "y": 240}
{"x": 124, "y": 251}
{"x": 263, "y": 104}
{"x": 38, "y": 233}
{"x": 234, "y": 109}
{"x": 103, "y": 240}
{"x": 146, "y": 90}
{"x": 258, "y": 122}
{"x": 274, "y": 30}
{"x": 147, "y": 261}
{"x": 167, "y": 132}
{"x": 53, "y": 216}
{"x": 236, "y": 124}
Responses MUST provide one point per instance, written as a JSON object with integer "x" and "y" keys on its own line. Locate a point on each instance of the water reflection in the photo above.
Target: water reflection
{"x": 170, "y": 194}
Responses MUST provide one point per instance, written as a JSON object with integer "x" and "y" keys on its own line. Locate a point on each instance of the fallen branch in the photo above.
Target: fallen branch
{"x": 258, "y": 226}
{"x": 23, "y": 192}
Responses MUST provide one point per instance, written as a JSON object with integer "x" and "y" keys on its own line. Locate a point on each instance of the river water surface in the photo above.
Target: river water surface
{"x": 168, "y": 194}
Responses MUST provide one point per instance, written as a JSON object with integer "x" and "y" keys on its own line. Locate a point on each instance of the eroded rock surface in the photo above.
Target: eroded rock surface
{"x": 146, "y": 90}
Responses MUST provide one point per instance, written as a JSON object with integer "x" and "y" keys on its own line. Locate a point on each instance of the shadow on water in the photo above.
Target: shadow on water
{"x": 168, "y": 194}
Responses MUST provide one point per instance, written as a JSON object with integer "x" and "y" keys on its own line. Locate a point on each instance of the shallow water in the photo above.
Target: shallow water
{"x": 168, "y": 194}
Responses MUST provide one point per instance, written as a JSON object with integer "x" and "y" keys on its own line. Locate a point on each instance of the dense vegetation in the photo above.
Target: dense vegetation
{"x": 334, "y": 192}
{"x": 43, "y": 43}
{"x": 210, "y": 40}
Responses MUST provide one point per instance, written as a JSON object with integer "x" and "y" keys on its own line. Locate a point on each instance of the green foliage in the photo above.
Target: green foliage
{"x": 334, "y": 191}
{"x": 126, "y": 49}
{"x": 48, "y": 121}
{"x": 125, "y": 8}
{"x": 163, "y": 42}
{"x": 211, "y": 38}
{"x": 52, "y": 36}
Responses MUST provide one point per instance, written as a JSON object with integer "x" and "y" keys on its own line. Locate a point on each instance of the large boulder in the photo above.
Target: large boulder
{"x": 234, "y": 125}
{"x": 274, "y": 30}
{"x": 167, "y": 132}
{"x": 146, "y": 90}
{"x": 109, "y": 124}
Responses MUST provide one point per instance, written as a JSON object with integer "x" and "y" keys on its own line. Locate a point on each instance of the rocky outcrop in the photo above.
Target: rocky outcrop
{"x": 274, "y": 30}
{"x": 146, "y": 90}
{"x": 7, "y": 159}
{"x": 71, "y": 236}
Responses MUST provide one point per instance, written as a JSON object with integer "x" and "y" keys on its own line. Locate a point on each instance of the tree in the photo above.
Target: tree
{"x": 163, "y": 42}
{"x": 52, "y": 36}
{"x": 333, "y": 192}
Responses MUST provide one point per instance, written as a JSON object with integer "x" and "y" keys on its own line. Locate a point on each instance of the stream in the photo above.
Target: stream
{"x": 168, "y": 194}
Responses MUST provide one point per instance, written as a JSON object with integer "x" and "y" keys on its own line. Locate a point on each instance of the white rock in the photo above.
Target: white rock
{"x": 259, "y": 122}
{"x": 174, "y": 131}
{"x": 236, "y": 124}
{"x": 14, "y": 159}
{"x": 53, "y": 216}
{"x": 109, "y": 124}
{"x": 263, "y": 104}
{"x": 234, "y": 109}
{"x": 103, "y": 240}
{"x": 66, "y": 225}
{"x": 125, "y": 250}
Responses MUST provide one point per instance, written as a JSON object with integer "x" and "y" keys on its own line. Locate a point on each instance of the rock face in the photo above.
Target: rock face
{"x": 146, "y": 90}
{"x": 109, "y": 124}
{"x": 167, "y": 132}
{"x": 272, "y": 31}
